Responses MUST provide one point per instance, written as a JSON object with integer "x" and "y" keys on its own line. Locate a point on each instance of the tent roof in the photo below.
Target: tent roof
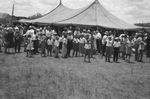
{"x": 97, "y": 15}
{"x": 92, "y": 15}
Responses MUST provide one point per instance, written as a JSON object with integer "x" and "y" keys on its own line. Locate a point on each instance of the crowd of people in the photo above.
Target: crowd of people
{"x": 75, "y": 42}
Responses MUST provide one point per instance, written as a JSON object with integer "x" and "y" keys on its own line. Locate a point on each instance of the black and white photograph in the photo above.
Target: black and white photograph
{"x": 74, "y": 49}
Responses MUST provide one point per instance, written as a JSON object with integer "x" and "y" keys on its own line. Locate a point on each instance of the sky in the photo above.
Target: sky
{"x": 130, "y": 11}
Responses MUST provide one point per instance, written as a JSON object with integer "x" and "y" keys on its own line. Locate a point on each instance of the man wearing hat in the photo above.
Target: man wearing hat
{"x": 116, "y": 45}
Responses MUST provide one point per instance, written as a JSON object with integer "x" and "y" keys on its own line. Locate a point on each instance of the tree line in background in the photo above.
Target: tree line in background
{"x": 143, "y": 24}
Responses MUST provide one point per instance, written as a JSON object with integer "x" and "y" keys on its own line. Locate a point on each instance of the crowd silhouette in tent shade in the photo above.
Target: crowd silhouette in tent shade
{"x": 93, "y": 15}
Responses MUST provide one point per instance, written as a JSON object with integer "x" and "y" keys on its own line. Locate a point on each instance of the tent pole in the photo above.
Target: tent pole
{"x": 12, "y": 15}
{"x": 96, "y": 27}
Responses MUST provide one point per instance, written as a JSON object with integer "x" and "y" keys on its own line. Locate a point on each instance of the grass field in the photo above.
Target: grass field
{"x": 51, "y": 78}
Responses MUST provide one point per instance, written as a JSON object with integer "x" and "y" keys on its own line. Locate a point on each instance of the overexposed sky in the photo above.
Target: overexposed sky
{"x": 131, "y": 11}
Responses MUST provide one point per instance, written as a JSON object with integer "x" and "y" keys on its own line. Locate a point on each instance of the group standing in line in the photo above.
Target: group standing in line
{"x": 74, "y": 43}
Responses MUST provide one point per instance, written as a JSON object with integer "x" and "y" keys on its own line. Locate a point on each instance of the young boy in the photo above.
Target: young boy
{"x": 49, "y": 46}
{"x": 87, "y": 51}
{"x": 116, "y": 45}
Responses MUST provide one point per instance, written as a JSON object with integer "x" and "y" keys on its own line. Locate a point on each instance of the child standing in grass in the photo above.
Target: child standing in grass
{"x": 116, "y": 45}
{"x": 29, "y": 47}
{"x": 49, "y": 46}
{"x": 87, "y": 51}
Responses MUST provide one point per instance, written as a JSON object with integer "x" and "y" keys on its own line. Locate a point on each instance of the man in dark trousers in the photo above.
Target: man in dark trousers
{"x": 104, "y": 43}
{"x": 69, "y": 43}
{"x": 18, "y": 38}
{"x": 116, "y": 46}
{"x": 98, "y": 41}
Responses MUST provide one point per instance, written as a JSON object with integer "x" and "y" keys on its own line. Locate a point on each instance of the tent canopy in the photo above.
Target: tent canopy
{"x": 92, "y": 15}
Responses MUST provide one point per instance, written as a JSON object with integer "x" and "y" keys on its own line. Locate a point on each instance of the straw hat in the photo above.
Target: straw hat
{"x": 88, "y": 31}
{"x": 84, "y": 30}
{"x": 117, "y": 38}
{"x": 16, "y": 28}
{"x": 106, "y": 32}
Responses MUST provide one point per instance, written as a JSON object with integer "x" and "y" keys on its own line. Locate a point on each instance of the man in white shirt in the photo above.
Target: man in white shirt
{"x": 98, "y": 40}
{"x": 109, "y": 42}
{"x": 104, "y": 43}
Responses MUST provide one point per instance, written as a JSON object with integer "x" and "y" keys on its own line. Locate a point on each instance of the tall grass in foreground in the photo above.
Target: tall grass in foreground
{"x": 28, "y": 82}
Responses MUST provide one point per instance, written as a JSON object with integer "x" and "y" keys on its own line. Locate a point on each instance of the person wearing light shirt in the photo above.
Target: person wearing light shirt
{"x": 69, "y": 43}
{"x": 29, "y": 32}
{"x": 116, "y": 45}
{"x": 109, "y": 42}
{"x": 98, "y": 40}
{"x": 94, "y": 42}
{"x": 76, "y": 32}
{"x": 104, "y": 43}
